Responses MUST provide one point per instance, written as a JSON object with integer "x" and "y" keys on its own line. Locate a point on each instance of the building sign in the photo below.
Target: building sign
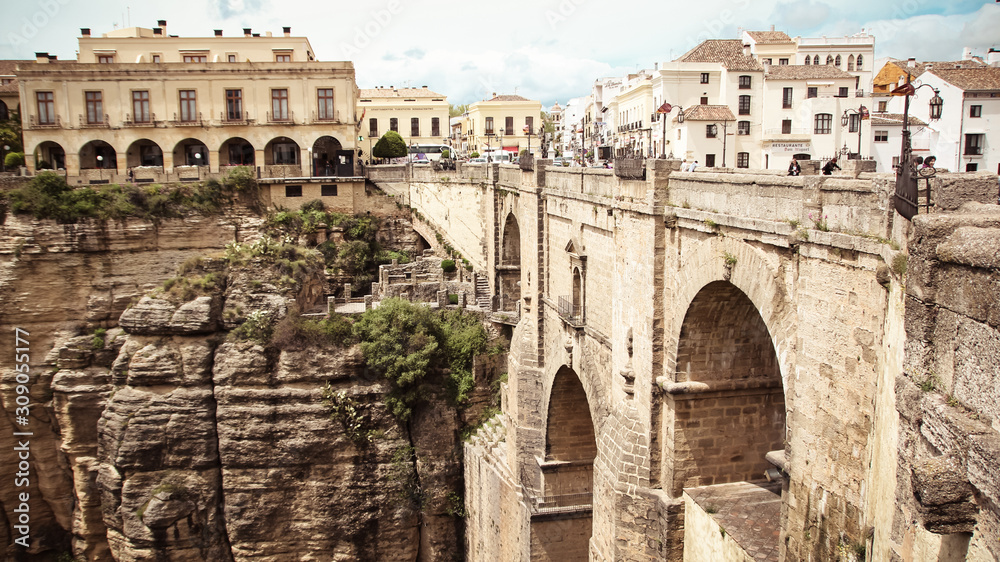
{"x": 790, "y": 147}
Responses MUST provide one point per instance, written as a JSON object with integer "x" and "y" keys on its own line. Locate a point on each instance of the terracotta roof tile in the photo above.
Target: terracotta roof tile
{"x": 970, "y": 79}
{"x": 804, "y": 72}
{"x": 894, "y": 119}
{"x": 507, "y": 97}
{"x": 709, "y": 113}
{"x": 398, "y": 93}
{"x": 919, "y": 68}
{"x": 7, "y": 68}
{"x": 765, "y": 37}
{"x": 728, "y": 52}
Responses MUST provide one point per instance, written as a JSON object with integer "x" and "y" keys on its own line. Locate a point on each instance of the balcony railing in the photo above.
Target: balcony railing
{"x": 86, "y": 124}
{"x": 236, "y": 119}
{"x": 151, "y": 122}
{"x": 285, "y": 118}
{"x": 335, "y": 118}
{"x": 187, "y": 122}
{"x": 973, "y": 151}
{"x": 35, "y": 123}
{"x": 570, "y": 312}
{"x": 793, "y": 131}
{"x": 859, "y": 93}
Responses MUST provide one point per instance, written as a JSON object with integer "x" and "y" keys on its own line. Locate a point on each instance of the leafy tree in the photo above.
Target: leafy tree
{"x": 391, "y": 145}
{"x": 10, "y": 132}
{"x": 456, "y": 110}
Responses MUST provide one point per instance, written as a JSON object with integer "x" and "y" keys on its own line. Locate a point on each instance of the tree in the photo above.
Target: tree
{"x": 456, "y": 110}
{"x": 10, "y": 132}
{"x": 391, "y": 145}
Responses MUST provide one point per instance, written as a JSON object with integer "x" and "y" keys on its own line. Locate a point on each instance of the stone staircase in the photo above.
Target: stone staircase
{"x": 484, "y": 299}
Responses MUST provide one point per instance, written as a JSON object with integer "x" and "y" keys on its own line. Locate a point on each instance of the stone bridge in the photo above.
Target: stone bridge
{"x": 678, "y": 332}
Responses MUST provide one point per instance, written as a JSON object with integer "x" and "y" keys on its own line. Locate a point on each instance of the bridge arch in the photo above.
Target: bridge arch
{"x": 510, "y": 265}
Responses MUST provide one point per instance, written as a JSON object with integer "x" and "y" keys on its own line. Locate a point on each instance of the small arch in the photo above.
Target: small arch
{"x": 815, "y": 59}
{"x": 850, "y": 63}
{"x": 829, "y": 59}
{"x": 98, "y": 154}
{"x": 860, "y": 64}
{"x": 50, "y": 155}
{"x": 326, "y": 155}
{"x": 837, "y": 61}
{"x": 808, "y": 60}
{"x": 143, "y": 152}
{"x": 237, "y": 151}
{"x": 190, "y": 152}
{"x": 577, "y": 293}
{"x": 510, "y": 265}
{"x": 281, "y": 151}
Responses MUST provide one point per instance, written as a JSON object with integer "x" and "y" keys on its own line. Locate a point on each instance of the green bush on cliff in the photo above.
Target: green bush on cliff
{"x": 404, "y": 342}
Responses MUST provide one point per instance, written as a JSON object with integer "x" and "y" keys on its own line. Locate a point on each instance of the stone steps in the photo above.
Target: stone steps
{"x": 483, "y": 297}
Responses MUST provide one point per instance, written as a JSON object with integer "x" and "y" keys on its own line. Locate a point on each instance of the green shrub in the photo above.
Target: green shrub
{"x": 14, "y": 160}
{"x": 448, "y": 265}
{"x": 452, "y": 299}
{"x": 391, "y": 145}
{"x": 257, "y": 328}
{"x": 474, "y": 154}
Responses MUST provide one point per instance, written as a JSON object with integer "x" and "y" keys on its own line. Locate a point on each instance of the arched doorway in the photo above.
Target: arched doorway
{"x": 567, "y": 474}
{"x": 50, "y": 156}
{"x": 143, "y": 152}
{"x": 281, "y": 151}
{"x": 510, "y": 265}
{"x": 4, "y": 112}
{"x": 236, "y": 152}
{"x": 190, "y": 152}
{"x": 726, "y": 424}
{"x": 329, "y": 158}
{"x": 98, "y": 154}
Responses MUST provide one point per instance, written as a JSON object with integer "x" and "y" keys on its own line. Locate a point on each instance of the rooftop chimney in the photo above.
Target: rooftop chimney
{"x": 85, "y": 31}
{"x": 157, "y": 31}
{"x": 772, "y": 27}
{"x": 911, "y": 62}
{"x": 246, "y": 31}
{"x": 746, "y": 50}
{"x": 966, "y": 54}
{"x": 162, "y": 24}
{"x": 42, "y": 58}
{"x": 287, "y": 30}
{"x": 218, "y": 33}
{"x": 993, "y": 57}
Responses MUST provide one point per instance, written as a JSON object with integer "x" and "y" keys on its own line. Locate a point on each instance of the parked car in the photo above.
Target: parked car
{"x": 479, "y": 160}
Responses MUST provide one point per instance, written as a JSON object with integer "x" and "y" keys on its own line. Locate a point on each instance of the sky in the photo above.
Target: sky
{"x": 550, "y": 50}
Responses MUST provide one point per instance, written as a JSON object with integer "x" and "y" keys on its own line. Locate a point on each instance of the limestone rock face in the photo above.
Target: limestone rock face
{"x": 157, "y": 316}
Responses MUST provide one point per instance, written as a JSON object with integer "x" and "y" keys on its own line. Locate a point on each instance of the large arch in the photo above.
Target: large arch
{"x": 190, "y": 152}
{"x": 326, "y": 156}
{"x": 50, "y": 155}
{"x": 237, "y": 151}
{"x": 143, "y": 152}
{"x": 281, "y": 151}
{"x": 510, "y": 265}
{"x": 98, "y": 154}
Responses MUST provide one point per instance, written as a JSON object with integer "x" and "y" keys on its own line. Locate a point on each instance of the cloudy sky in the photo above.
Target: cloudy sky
{"x": 550, "y": 50}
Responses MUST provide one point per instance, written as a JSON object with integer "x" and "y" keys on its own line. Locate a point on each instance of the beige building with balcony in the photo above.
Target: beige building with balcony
{"x": 140, "y": 101}
{"x": 500, "y": 123}
{"x": 419, "y": 115}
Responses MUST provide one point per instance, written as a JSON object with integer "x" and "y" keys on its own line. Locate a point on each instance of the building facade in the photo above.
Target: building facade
{"x": 419, "y": 115}
{"x": 139, "y": 101}
{"x": 503, "y": 122}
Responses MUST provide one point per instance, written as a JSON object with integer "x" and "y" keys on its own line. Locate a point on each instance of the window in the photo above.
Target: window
{"x": 529, "y": 122}
{"x": 812, "y": 91}
{"x": 837, "y": 61}
{"x": 140, "y": 106}
{"x": 489, "y": 125}
{"x": 883, "y": 106}
{"x": 414, "y": 126}
{"x": 711, "y": 131}
{"x": 704, "y": 100}
{"x": 974, "y": 144}
{"x": 46, "y": 108}
{"x": 234, "y": 105}
{"x": 829, "y": 59}
{"x": 743, "y": 128}
{"x": 824, "y": 123}
{"x": 744, "y": 105}
{"x": 742, "y": 159}
{"x": 279, "y": 105}
{"x": 325, "y": 100}
{"x": 745, "y": 82}
{"x": 394, "y": 124}
{"x": 710, "y": 160}
{"x": 195, "y": 58}
{"x": 808, "y": 60}
{"x": 285, "y": 153}
{"x": 842, "y": 93}
{"x": 786, "y": 126}
{"x": 704, "y": 78}
{"x": 105, "y": 59}
{"x": 508, "y": 125}
{"x": 972, "y": 167}
{"x": 95, "y": 107}
{"x": 435, "y": 126}
{"x": 882, "y": 136}
{"x": 328, "y": 191}
{"x": 815, "y": 59}
{"x": 372, "y": 127}
{"x": 850, "y": 63}
{"x": 786, "y": 97}
{"x": 975, "y": 111}
{"x": 156, "y": 59}
{"x": 232, "y": 58}
{"x": 283, "y": 57}
{"x": 293, "y": 191}
{"x": 782, "y": 62}
{"x": 860, "y": 62}
{"x": 854, "y": 123}
{"x": 189, "y": 106}
{"x": 767, "y": 61}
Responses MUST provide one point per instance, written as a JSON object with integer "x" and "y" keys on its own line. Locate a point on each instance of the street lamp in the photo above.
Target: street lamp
{"x": 862, "y": 113}
{"x": 664, "y": 110}
{"x": 3, "y": 157}
{"x": 725, "y": 132}
{"x": 906, "y": 173}
{"x": 100, "y": 166}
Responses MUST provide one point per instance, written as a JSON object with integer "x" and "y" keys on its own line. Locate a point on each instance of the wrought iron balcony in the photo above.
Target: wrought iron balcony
{"x": 570, "y": 312}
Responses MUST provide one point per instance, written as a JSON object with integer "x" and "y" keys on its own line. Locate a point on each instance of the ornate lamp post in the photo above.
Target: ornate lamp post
{"x": 100, "y": 166}
{"x": 3, "y": 157}
{"x": 725, "y": 133}
{"x": 862, "y": 113}
{"x": 665, "y": 109}
{"x": 906, "y": 173}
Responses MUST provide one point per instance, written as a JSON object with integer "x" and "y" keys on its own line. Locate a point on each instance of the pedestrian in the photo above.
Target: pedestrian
{"x": 694, "y": 165}
{"x": 685, "y": 167}
{"x": 794, "y": 169}
{"x": 929, "y": 162}
{"x": 131, "y": 175}
{"x": 829, "y": 167}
